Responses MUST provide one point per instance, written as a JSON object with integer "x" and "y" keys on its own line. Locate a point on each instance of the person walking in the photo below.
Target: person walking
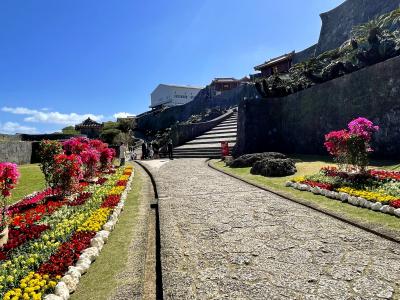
{"x": 144, "y": 150}
{"x": 156, "y": 150}
{"x": 122, "y": 153}
{"x": 151, "y": 151}
{"x": 170, "y": 149}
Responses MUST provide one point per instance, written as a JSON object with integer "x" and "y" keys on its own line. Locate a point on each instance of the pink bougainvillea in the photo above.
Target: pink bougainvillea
{"x": 9, "y": 175}
{"x": 350, "y": 148}
{"x": 363, "y": 128}
{"x": 76, "y": 145}
{"x": 67, "y": 172}
{"x": 90, "y": 159}
{"x": 106, "y": 157}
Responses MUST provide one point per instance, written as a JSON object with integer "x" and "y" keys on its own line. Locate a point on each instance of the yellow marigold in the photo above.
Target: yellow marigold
{"x": 124, "y": 177}
{"x": 116, "y": 190}
{"x": 32, "y": 286}
{"x": 371, "y": 196}
{"x": 96, "y": 220}
{"x": 299, "y": 179}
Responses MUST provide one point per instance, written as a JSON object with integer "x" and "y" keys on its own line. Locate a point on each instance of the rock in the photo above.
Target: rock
{"x": 74, "y": 272}
{"x": 368, "y": 204}
{"x": 324, "y": 192}
{"x": 274, "y": 167}
{"x": 71, "y": 282}
{"x": 288, "y": 184}
{"x": 61, "y": 290}
{"x": 52, "y": 297}
{"x": 354, "y": 201}
{"x": 361, "y": 202}
{"x": 397, "y": 212}
{"x": 385, "y": 209}
{"x": 103, "y": 235}
{"x": 83, "y": 264}
{"x": 391, "y": 210}
{"x": 97, "y": 242}
{"x": 344, "y": 197}
{"x": 93, "y": 252}
{"x": 108, "y": 226}
{"x": 316, "y": 190}
{"x": 248, "y": 160}
{"x": 376, "y": 206}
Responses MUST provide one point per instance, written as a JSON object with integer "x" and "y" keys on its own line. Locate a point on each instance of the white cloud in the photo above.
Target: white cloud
{"x": 12, "y": 127}
{"x": 122, "y": 115}
{"x": 37, "y": 116}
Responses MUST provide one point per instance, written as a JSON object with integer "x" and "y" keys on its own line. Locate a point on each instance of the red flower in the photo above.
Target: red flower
{"x": 111, "y": 201}
{"x": 67, "y": 254}
{"x": 395, "y": 204}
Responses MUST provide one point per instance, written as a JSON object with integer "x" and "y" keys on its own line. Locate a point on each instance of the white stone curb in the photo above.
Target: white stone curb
{"x": 344, "y": 197}
{"x": 70, "y": 281}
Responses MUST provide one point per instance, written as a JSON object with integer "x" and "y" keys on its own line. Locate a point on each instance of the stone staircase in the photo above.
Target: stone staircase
{"x": 208, "y": 145}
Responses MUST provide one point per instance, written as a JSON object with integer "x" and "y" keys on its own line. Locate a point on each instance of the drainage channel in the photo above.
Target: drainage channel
{"x": 153, "y": 287}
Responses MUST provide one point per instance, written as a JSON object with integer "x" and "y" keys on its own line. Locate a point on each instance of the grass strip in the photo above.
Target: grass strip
{"x": 100, "y": 281}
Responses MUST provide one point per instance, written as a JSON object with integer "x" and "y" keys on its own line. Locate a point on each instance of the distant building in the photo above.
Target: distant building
{"x": 220, "y": 85}
{"x": 173, "y": 95}
{"x": 277, "y": 65}
{"x": 90, "y": 128}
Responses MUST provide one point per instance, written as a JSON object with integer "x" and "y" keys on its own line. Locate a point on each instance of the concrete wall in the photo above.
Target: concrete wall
{"x": 204, "y": 100}
{"x": 15, "y": 151}
{"x": 297, "y": 123}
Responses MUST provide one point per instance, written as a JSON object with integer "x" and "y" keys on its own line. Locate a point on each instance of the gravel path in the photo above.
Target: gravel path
{"x": 222, "y": 238}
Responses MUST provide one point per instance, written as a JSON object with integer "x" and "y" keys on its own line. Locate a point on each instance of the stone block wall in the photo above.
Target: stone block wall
{"x": 16, "y": 151}
{"x": 297, "y": 123}
{"x": 203, "y": 101}
{"x": 338, "y": 23}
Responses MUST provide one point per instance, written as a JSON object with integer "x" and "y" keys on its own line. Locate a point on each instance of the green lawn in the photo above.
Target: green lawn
{"x": 100, "y": 281}
{"x": 309, "y": 166}
{"x": 31, "y": 180}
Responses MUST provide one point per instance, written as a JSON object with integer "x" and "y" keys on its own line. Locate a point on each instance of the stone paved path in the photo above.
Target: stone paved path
{"x": 224, "y": 239}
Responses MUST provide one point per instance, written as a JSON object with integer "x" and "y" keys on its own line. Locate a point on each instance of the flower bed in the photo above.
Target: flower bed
{"x": 52, "y": 243}
{"x": 377, "y": 190}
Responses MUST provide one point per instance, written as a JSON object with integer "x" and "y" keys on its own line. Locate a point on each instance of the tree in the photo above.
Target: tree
{"x": 70, "y": 130}
{"x": 110, "y": 135}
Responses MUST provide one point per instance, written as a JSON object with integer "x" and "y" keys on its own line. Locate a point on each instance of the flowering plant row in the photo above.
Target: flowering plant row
{"x": 33, "y": 267}
{"x": 378, "y": 190}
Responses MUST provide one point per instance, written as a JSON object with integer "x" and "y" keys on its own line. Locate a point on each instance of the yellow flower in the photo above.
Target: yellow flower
{"x": 371, "y": 196}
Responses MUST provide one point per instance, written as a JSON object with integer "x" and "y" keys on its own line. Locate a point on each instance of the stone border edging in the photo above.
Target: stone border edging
{"x": 386, "y": 234}
{"x": 346, "y": 198}
{"x": 69, "y": 282}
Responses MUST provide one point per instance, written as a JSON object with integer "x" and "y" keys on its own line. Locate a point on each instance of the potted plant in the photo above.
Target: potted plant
{"x": 8, "y": 179}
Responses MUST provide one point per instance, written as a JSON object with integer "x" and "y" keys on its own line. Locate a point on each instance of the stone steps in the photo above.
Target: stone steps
{"x": 208, "y": 145}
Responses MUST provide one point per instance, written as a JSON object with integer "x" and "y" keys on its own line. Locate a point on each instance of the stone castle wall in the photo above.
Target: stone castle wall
{"x": 16, "y": 151}
{"x": 338, "y": 23}
{"x": 297, "y": 123}
{"x": 203, "y": 101}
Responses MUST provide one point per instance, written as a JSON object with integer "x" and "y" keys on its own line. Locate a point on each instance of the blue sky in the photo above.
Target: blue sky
{"x": 61, "y": 61}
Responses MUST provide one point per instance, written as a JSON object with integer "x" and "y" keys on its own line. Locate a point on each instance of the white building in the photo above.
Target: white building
{"x": 173, "y": 95}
